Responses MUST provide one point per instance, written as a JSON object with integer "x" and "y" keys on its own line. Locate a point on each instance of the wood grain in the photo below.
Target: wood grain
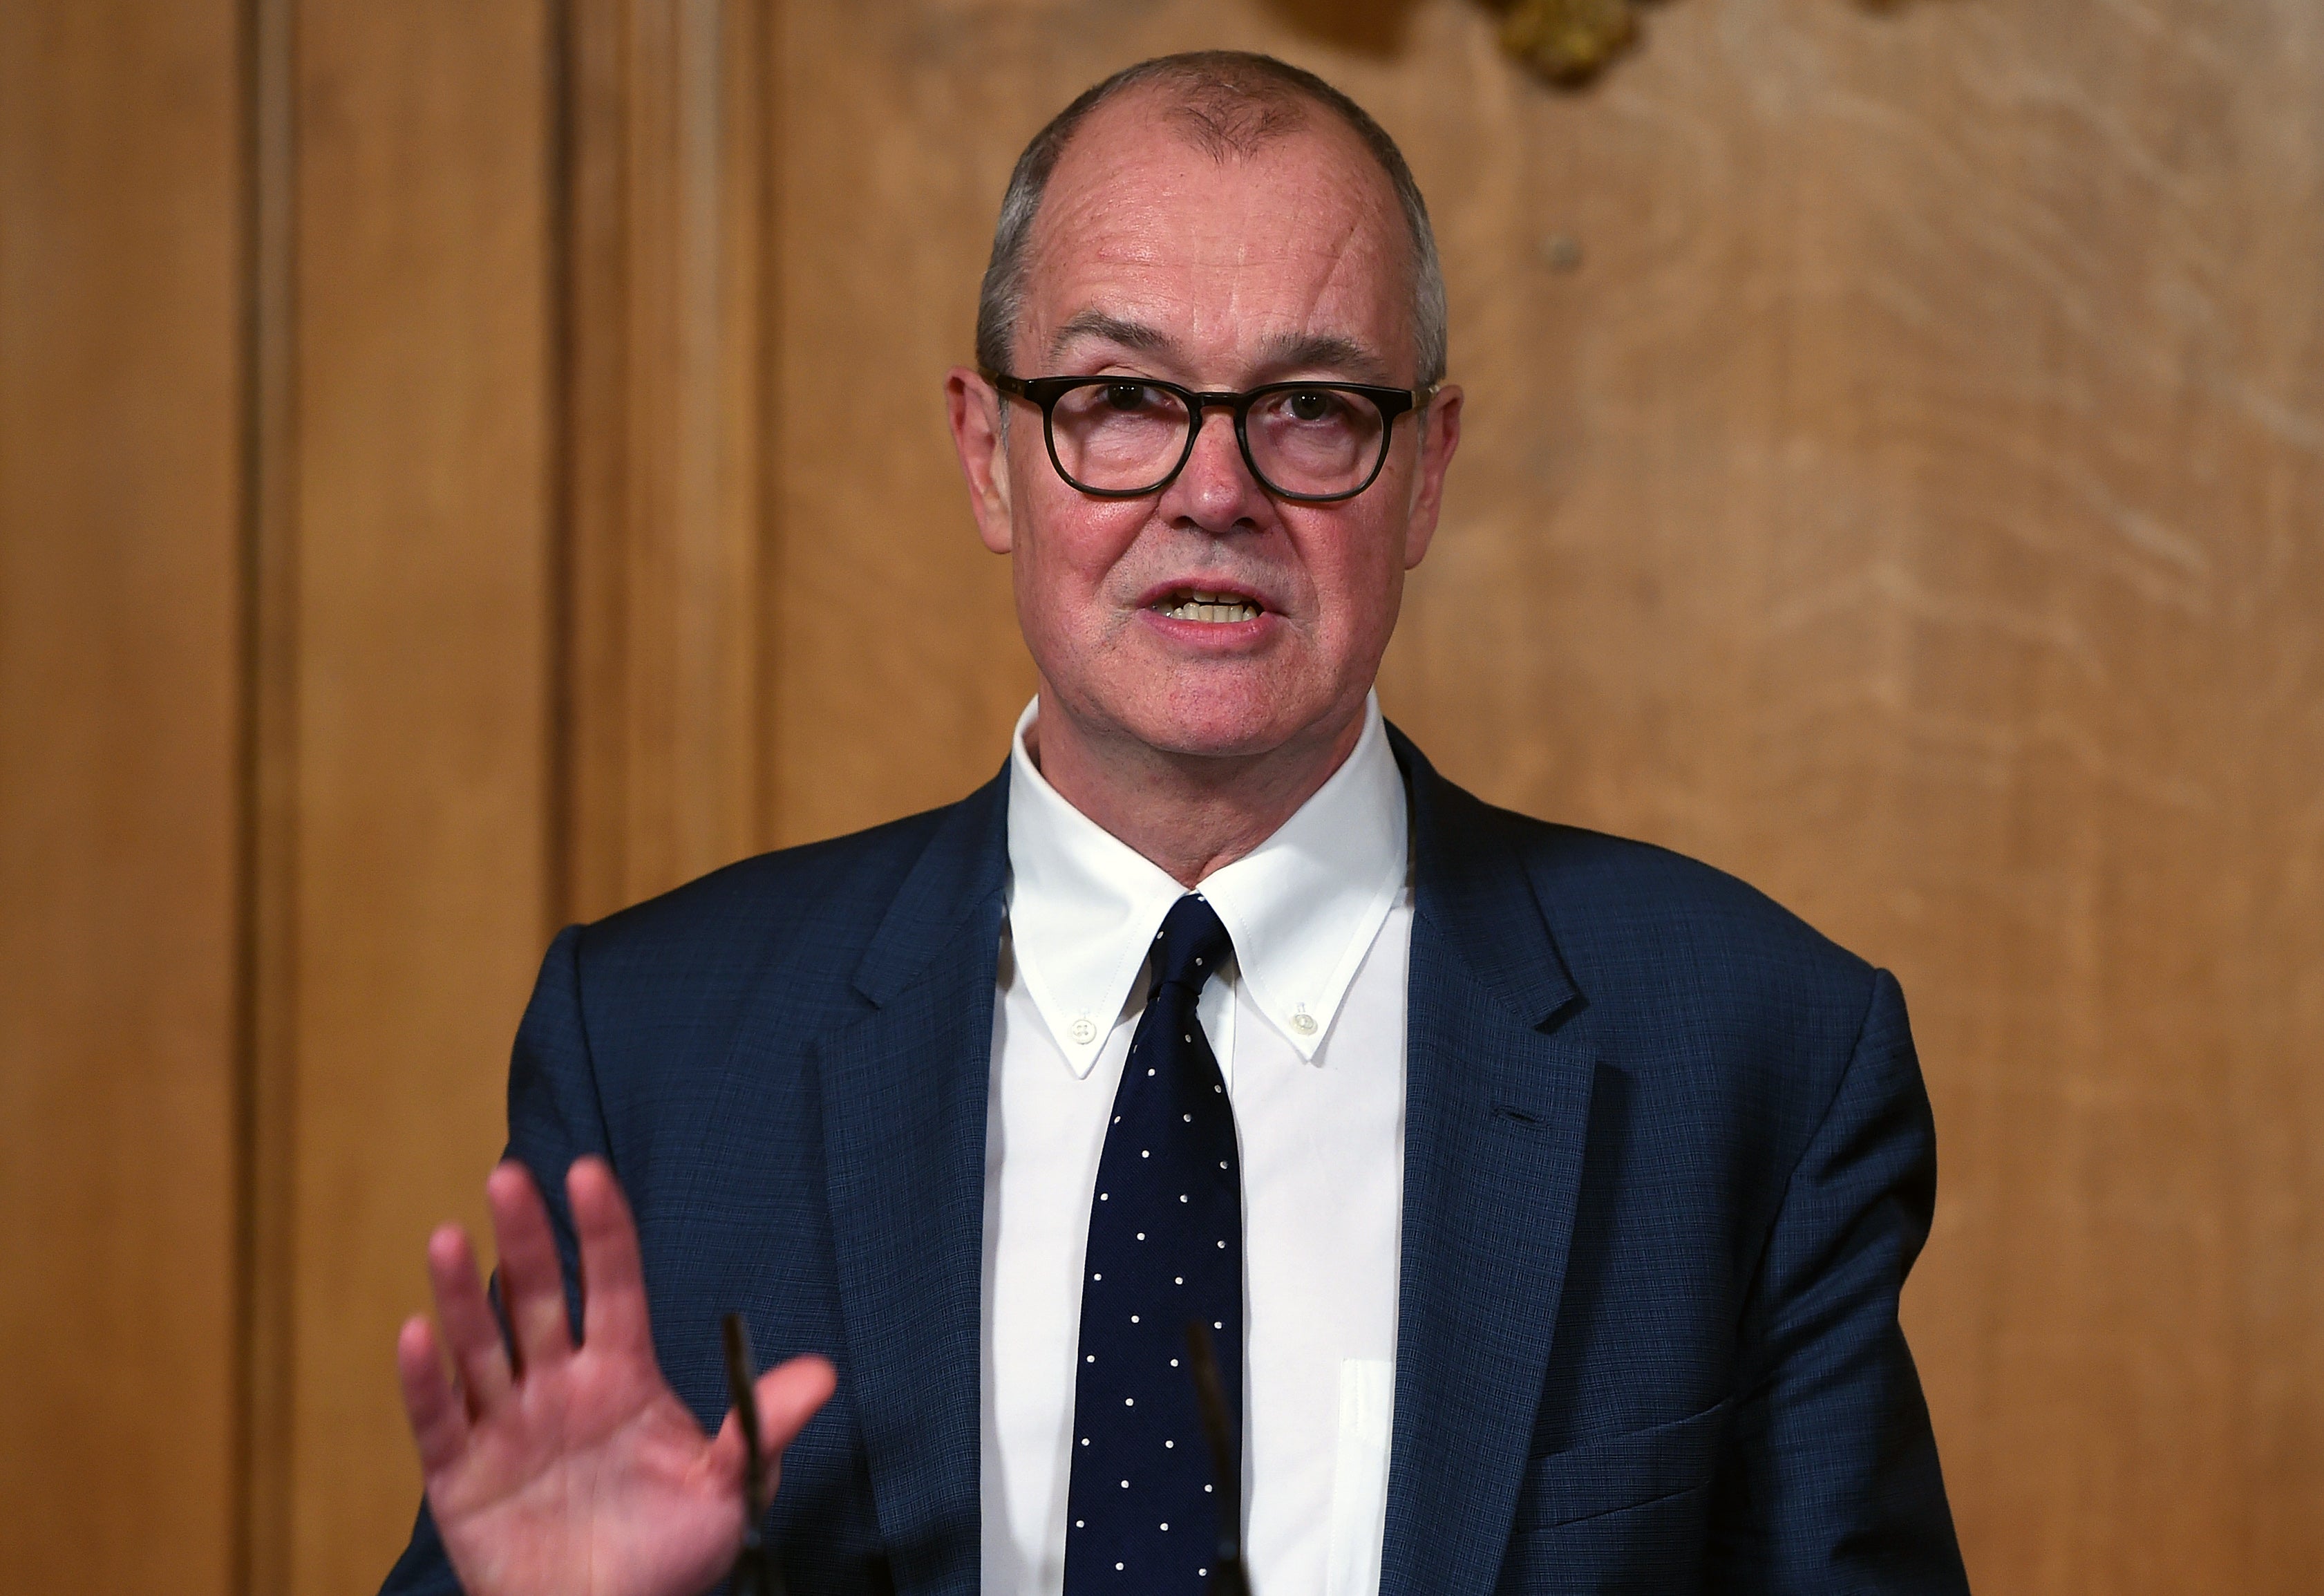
{"x": 268, "y": 1154}
{"x": 119, "y": 634}
{"x": 423, "y": 592}
{"x": 893, "y": 662}
{"x": 666, "y": 215}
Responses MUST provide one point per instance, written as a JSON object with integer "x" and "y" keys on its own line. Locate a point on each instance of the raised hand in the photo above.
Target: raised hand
{"x": 577, "y": 1472}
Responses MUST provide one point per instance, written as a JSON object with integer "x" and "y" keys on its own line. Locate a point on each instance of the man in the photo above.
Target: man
{"x": 1546, "y": 1198}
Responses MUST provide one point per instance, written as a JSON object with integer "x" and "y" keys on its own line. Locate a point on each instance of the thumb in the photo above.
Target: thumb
{"x": 790, "y": 1394}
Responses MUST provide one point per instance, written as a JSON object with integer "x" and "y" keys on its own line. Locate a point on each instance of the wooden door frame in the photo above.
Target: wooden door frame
{"x": 669, "y": 309}
{"x": 656, "y": 162}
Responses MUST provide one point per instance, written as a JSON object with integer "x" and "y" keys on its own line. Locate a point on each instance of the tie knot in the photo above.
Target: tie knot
{"x": 1193, "y": 943}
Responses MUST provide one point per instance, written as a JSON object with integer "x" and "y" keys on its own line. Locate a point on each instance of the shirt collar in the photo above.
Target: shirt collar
{"x": 1303, "y": 908}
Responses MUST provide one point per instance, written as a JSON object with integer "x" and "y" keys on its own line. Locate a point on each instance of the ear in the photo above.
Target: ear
{"x": 1440, "y": 435}
{"x": 974, "y": 407}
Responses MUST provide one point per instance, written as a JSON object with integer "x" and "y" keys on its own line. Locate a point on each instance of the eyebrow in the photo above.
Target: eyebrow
{"x": 1287, "y": 352}
{"x": 1324, "y": 352}
{"x": 1114, "y": 329}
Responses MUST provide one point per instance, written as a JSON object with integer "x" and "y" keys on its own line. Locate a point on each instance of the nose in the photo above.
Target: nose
{"x": 1215, "y": 491}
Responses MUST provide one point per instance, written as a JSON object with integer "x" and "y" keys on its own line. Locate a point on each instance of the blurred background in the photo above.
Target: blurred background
{"x": 466, "y": 464}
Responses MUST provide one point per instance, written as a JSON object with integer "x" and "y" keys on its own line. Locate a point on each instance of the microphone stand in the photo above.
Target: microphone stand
{"x": 1228, "y": 1577}
{"x": 755, "y": 1574}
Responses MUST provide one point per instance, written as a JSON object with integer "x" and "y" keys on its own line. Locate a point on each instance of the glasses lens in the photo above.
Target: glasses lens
{"x": 1314, "y": 441}
{"x": 1117, "y": 438}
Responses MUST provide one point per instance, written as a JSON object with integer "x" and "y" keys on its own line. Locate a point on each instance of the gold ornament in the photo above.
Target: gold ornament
{"x": 1568, "y": 40}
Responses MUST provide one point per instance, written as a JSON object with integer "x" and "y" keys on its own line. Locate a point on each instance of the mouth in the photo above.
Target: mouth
{"x": 1207, "y": 607}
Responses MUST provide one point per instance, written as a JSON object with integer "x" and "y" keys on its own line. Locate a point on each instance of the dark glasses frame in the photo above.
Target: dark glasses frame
{"x": 1045, "y": 392}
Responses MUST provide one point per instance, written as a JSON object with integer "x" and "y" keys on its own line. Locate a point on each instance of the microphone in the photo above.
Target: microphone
{"x": 1228, "y": 1577}
{"x": 754, "y": 1573}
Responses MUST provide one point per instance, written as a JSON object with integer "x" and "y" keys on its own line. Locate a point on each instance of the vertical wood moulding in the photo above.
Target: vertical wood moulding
{"x": 423, "y": 440}
{"x": 559, "y": 487}
{"x": 663, "y": 202}
{"x": 755, "y": 143}
{"x": 735, "y": 69}
{"x": 268, "y": 931}
{"x": 122, "y": 176}
{"x": 592, "y": 452}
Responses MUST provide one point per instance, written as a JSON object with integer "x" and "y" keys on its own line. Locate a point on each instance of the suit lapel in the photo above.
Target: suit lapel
{"x": 903, "y": 1094}
{"x": 1499, "y": 1078}
{"x": 1498, "y": 1085}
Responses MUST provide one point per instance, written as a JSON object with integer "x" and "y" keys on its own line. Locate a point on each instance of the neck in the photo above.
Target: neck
{"x": 1189, "y": 814}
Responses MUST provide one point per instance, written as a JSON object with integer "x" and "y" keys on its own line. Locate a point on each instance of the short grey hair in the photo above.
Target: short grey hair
{"x": 1229, "y": 103}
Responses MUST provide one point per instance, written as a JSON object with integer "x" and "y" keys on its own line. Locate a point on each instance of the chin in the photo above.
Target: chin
{"x": 1224, "y": 721}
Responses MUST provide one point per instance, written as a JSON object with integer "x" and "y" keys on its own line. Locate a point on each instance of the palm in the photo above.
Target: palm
{"x": 577, "y": 1472}
{"x": 593, "y": 1473}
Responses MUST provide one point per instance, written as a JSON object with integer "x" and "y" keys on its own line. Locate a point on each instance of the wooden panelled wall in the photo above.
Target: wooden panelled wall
{"x": 469, "y": 464}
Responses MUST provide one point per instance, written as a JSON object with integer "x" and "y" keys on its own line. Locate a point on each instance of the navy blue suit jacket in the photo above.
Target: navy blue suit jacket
{"x": 1668, "y": 1158}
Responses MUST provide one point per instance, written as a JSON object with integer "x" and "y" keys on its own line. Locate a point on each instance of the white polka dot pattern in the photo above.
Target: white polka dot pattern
{"x": 1164, "y": 1248}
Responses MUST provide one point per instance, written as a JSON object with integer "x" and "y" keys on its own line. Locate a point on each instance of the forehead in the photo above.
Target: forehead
{"x": 1300, "y": 237}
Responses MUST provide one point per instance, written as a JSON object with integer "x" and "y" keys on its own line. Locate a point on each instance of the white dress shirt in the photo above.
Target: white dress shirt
{"x": 1308, "y": 1024}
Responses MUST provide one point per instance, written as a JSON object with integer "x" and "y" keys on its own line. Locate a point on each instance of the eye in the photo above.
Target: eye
{"x": 1128, "y": 396}
{"x": 1312, "y": 404}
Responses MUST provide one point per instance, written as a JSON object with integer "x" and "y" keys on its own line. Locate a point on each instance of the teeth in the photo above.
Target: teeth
{"x": 1211, "y": 607}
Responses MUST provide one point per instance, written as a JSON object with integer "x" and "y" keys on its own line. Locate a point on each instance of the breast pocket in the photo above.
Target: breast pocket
{"x": 1619, "y": 1515}
{"x": 1615, "y": 1473}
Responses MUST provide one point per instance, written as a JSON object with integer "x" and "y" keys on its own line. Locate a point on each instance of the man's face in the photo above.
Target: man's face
{"x": 1149, "y": 258}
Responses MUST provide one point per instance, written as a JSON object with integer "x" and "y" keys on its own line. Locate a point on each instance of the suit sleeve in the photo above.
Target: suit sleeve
{"x": 554, "y": 1118}
{"x": 1832, "y": 1486}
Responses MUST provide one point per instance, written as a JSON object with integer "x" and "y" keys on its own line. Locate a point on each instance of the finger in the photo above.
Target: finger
{"x": 789, "y": 1394}
{"x": 439, "y": 1422}
{"x": 533, "y": 1277}
{"x": 613, "y": 1316}
{"x": 471, "y": 1333}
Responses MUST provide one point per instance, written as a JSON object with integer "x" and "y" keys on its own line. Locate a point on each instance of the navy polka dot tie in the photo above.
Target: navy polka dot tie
{"x": 1164, "y": 1247}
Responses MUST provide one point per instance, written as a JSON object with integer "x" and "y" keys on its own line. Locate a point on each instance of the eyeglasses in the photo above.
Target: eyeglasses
{"x": 1124, "y": 437}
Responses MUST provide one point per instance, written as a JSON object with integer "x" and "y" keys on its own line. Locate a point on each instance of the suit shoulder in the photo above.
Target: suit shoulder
{"x": 1666, "y": 891}
{"x": 829, "y": 894}
{"x": 1625, "y": 908}
{"x": 1640, "y": 924}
